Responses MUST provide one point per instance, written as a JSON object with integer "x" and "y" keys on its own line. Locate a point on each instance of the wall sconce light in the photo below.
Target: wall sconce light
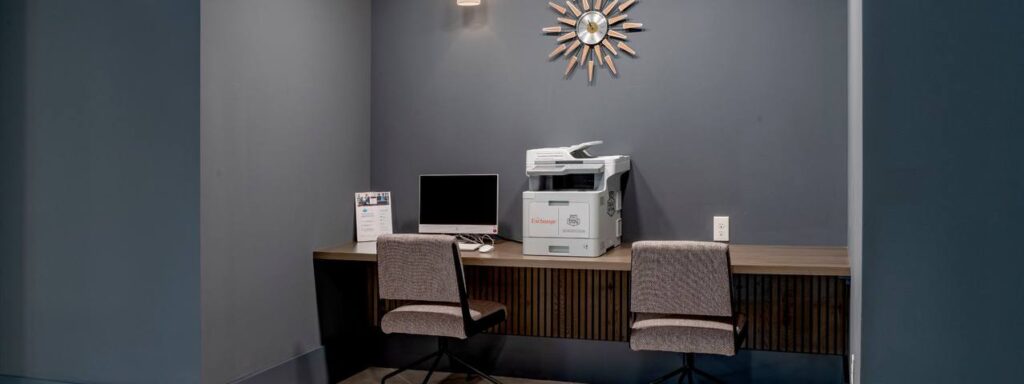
{"x": 467, "y": 3}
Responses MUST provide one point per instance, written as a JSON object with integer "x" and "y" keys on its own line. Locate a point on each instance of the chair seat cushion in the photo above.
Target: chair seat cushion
{"x": 684, "y": 334}
{"x": 444, "y": 320}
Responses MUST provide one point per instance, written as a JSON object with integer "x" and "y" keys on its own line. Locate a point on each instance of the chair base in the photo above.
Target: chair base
{"x": 686, "y": 373}
{"x": 442, "y": 351}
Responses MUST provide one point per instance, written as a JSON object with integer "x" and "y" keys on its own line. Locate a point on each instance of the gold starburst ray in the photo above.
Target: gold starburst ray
{"x": 567, "y": 36}
{"x": 608, "y": 45}
{"x": 558, "y": 50}
{"x": 572, "y": 7}
{"x": 586, "y": 5}
{"x": 597, "y": 52}
{"x": 626, "y": 5}
{"x": 611, "y": 6}
{"x": 554, "y": 29}
{"x": 617, "y": 35}
{"x": 617, "y": 19}
{"x": 632, "y": 25}
{"x": 566, "y": 20}
{"x": 558, "y": 8}
{"x": 572, "y": 65}
{"x": 626, "y": 48}
{"x": 572, "y": 48}
{"x": 611, "y": 65}
{"x": 583, "y": 56}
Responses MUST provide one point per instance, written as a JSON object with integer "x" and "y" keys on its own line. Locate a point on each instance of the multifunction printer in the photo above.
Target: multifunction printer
{"x": 574, "y": 204}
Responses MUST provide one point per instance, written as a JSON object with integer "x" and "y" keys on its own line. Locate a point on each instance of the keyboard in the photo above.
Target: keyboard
{"x": 468, "y": 246}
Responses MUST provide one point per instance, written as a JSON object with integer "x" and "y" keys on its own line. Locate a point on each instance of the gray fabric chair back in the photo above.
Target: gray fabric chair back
{"x": 681, "y": 278}
{"x": 419, "y": 267}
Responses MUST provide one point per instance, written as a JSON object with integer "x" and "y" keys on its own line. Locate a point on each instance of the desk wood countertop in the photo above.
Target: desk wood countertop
{"x": 746, "y": 259}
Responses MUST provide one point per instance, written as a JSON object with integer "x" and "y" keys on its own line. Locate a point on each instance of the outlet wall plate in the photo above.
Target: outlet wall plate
{"x": 721, "y": 228}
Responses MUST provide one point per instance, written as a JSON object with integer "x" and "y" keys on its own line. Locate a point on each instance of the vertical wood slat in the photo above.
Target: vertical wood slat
{"x": 806, "y": 314}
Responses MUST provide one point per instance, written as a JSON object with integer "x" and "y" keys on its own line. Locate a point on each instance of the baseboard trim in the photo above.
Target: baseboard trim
{"x": 306, "y": 368}
{"x": 11, "y": 379}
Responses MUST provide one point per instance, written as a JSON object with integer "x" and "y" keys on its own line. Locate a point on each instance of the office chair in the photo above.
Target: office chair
{"x": 681, "y": 301}
{"x": 426, "y": 270}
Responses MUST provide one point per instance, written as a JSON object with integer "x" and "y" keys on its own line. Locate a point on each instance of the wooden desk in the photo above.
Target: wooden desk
{"x": 795, "y": 297}
{"x": 746, "y": 259}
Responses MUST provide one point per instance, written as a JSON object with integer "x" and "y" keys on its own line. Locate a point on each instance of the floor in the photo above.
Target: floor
{"x": 603, "y": 362}
{"x": 373, "y": 376}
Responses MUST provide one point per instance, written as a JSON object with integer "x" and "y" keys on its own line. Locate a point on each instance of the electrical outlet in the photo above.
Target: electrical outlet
{"x": 721, "y": 228}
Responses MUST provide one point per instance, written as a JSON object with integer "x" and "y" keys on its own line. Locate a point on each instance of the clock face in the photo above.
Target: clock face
{"x": 591, "y": 33}
{"x": 592, "y": 27}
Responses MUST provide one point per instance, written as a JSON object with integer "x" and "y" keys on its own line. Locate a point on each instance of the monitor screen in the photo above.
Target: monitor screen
{"x": 459, "y": 204}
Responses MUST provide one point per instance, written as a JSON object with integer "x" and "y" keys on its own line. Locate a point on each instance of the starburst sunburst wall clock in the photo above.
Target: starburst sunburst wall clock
{"x": 596, "y": 29}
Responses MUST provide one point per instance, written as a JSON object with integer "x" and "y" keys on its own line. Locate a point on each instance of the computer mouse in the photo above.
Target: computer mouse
{"x": 485, "y": 248}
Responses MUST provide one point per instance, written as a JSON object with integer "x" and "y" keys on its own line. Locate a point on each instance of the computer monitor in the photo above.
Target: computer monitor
{"x": 459, "y": 204}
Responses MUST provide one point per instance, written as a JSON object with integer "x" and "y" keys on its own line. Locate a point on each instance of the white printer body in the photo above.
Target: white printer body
{"x": 574, "y": 204}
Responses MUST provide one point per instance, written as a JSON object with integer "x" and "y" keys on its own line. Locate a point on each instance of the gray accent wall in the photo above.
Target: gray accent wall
{"x": 732, "y": 108}
{"x": 99, "y": 190}
{"x": 285, "y": 144}
{"x": 943, "y": 188}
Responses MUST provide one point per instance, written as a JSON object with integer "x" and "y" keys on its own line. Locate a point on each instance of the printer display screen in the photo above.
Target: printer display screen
{"x": 459, "y": 199}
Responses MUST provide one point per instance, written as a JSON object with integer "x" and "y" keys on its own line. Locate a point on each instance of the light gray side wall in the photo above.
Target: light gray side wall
{"x": 99, "y": 190}
{"x": 285, "y": 143}
{"x": 733, "y": 108}
{"x": 855, "y": 207}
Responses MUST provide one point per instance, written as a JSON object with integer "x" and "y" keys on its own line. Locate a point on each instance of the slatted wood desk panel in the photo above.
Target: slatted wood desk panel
{"x": 796, "y": 298}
